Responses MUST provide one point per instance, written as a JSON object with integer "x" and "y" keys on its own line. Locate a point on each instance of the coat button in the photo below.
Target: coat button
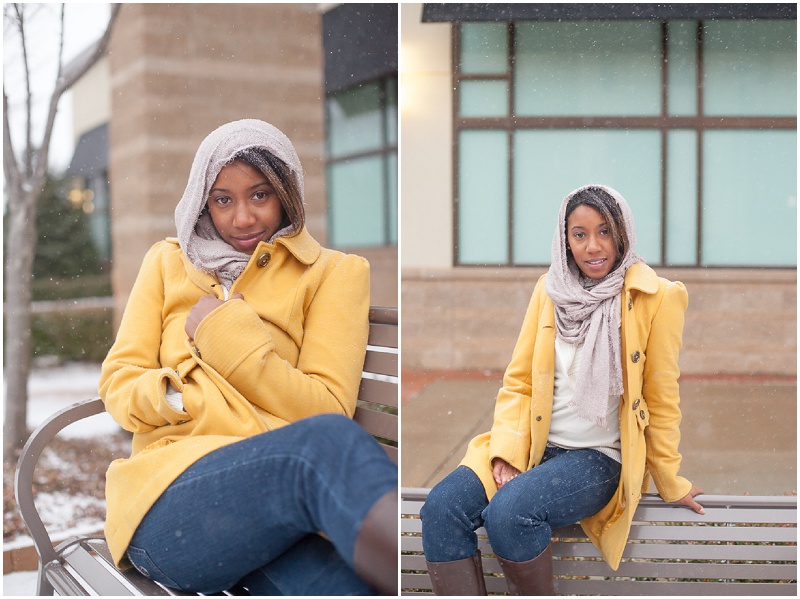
{"x": 263, "y": 260}
{"x": 635, "y": 356}
{"x": 538, "y": 418}
{"x": 630, "y": 303}
{"x": 635, "y": 404}
{"x": 641, "y": 414}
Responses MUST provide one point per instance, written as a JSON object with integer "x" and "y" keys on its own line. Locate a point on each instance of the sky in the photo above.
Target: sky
{"x": 84, "y": 24}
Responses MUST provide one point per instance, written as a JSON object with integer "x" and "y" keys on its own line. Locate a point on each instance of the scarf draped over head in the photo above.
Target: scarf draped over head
{"x": 197, "y": 235}
{"x": 591, "y": 314}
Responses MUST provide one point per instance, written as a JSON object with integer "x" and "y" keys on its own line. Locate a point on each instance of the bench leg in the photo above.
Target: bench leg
{"x": 375, "y": 556}
{"x": 531, "y": 578}
{"x": 462, "y": 577}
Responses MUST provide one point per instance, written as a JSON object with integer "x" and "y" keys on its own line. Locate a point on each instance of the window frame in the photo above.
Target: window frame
{"x": 387, "y": 147}
{"x": 663, "y": 123}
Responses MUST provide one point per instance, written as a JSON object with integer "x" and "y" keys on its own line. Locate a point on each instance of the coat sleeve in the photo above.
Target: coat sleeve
{"x": 133, "y": 383}
{"x": 235, "y": 342}
{"x": 511, "y": 429}
{"x": 661, "y": 392}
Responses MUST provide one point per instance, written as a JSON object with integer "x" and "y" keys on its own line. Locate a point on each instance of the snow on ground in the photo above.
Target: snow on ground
{"x": 19, "y": 584}
{"x": 49, "y": 390}
{"x": 55, "y": 388}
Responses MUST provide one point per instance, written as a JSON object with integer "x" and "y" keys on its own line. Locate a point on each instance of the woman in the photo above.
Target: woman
{"x": 588, "y": 408}
{"x": 237, "y": 366}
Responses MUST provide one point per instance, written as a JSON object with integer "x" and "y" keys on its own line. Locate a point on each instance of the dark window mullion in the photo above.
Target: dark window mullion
{"x": 664, "y": 133}
{"x": 700, "y": 113}
{"x": 510, "y": 141}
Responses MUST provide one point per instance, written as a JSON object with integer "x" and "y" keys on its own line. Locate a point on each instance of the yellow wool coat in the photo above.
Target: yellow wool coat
{"x": 293, "y": 348}
{"x": 649, "y": 417}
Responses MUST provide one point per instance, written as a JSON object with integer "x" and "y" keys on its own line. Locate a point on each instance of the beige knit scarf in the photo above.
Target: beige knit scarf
{"x": 197, "y": 236}
{"x": 590, "y": 314}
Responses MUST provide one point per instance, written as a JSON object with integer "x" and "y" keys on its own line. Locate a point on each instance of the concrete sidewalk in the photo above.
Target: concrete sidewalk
{"x": 739, "y": 434}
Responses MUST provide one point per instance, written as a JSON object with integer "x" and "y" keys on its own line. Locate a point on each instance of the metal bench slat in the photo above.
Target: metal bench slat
{"x": 97, "y": 576}
{"x": 383, "y": 335}
{"x": 64, "y": 583}
{"x": 377, "y": 423}
{"x": 632, "y": 588}
{"x": 381, "y": 363}
{"x": 766, "y": 534}
{"x": 378, "y": 392}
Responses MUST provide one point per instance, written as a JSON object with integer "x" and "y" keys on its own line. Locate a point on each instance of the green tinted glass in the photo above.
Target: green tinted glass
{"x": 355, "y": 191}
{"x": 483, "y": 98}
{"x": 681, "y": 197}
{"x": 587, "y": 68}
{"x": 484, "y": 48}
{"x": 548, "y": 164}
{"x": 682, "y": 68}
{"x": 750, "y": 68}
{"x": 354, "y": 121}
{"x": 749, "y": 198}
{"x": 483, "y": 197}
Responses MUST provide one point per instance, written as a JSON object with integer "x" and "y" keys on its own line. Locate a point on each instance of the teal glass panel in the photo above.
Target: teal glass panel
{"x": 354, "y": 121}
{"x": 681, "y": 197}
{"x": 749, "y": 198}
{"x": 391, "y": 111}
{"x": 750, "y": 68}
{"x": 483, "y": 98}
{"x": 484, "y": 48}
{"x": 483, "y": 197}
{"x": 356, "y": 202}
{"x": 391, "y": 184}
{"x": 682, "y": 68}
{"x": 549, "y": 164}
{"x": 602, "y": 68}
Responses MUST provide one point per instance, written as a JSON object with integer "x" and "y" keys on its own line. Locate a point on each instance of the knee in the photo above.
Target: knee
{"x": 333, "y": 427}
{"x": 336, "y": 435}
{"x": 439, "y": 501}
{"x": 501, "y": 518}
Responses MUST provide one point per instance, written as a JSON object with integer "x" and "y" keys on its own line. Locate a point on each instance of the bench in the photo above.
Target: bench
{"x": 82, "y": 565}
{"x": 742, "y": 546}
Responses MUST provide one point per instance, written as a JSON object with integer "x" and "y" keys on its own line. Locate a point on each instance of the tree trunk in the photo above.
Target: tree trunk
{"x": 19, "y": 274}
{"x": 25, "y": 183}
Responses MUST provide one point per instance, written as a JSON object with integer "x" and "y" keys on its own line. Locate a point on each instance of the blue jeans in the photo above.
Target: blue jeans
{"x": 250, "y": 512}
{"x": 567, "y": 486}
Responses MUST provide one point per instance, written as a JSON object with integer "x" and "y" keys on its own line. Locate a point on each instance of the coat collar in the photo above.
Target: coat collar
{"x": 302, "y": 246}
{"x": 641, "y": 277}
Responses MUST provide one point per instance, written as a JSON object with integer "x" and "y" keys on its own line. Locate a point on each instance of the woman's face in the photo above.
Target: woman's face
{"x": 244, "y": 207}
{"x": 589, "y": 238}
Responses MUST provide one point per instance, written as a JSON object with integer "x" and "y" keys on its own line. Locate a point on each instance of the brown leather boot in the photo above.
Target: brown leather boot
{"x": 534, "y": 577}
{"x": 462, "y": 577}
{"x": 375, "y": 557}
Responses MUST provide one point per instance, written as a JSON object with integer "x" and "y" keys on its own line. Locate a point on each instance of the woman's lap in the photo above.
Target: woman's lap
{"x": 247, "y": 504}
{"x": 565, "y": 488}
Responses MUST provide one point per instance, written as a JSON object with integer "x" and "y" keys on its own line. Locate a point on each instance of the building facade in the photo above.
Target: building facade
{"x": 688, "y": 110}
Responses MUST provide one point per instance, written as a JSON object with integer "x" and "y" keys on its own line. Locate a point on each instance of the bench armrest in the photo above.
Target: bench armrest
{"x": 23, "y": 482}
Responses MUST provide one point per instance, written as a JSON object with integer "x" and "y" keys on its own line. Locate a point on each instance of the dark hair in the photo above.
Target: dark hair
{"x": 280, "y": 177}
{"x": 606, "y": 205}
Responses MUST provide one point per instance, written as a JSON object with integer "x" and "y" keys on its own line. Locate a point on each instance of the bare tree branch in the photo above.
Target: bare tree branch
{"x": 27, "y": 159}
{"x": 65, "y": 81}
{"x": 10, "y": 166}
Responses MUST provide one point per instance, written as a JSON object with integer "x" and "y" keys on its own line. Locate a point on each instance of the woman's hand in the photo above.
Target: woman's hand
{"x": 502, "y": 472}
{"x": 204, "y": 306}
{"x": 688, "y": 500}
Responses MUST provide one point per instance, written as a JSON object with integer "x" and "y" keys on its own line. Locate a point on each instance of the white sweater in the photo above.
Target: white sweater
{"x": 567, "y": 429}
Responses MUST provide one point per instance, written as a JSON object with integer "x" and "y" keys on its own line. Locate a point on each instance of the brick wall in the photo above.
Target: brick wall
{"x": 739, "y": 321}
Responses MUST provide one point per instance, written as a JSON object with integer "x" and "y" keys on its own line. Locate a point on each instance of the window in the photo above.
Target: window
{"x": 362, "y": 165}
{"x": 693, "y": 122}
